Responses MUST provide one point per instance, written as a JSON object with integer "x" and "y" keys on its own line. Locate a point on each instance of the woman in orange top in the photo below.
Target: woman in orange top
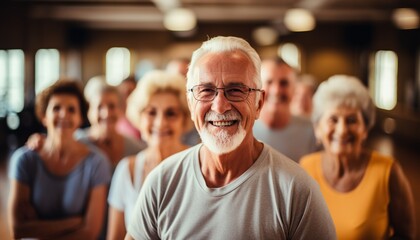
{"x": 367, "y": 194}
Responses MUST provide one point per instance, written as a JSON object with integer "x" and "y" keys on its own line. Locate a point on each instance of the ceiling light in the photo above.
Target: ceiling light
{"x": 405, "y": 18}
{"x": 265, "y": 36}
{"x": 179, "y": 19}
{"x": 299, "y": 20}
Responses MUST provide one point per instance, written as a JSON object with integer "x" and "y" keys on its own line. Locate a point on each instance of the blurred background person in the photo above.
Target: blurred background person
{"x": 301, "y": 104}
{"x": 368, "y": 195}
{"x": 291, "y": 135}
{"x": 158, "y": 108}
{"x": 58, "y": 191}
{"x": 105, "y": 109}
{"x": 180, "y": 66}
{"x": 125, "y": 88}
{"x": 105, "y": 106}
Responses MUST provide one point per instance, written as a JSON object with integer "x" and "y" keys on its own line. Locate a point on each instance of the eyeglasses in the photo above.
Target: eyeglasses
{"x": 234, "y": 93}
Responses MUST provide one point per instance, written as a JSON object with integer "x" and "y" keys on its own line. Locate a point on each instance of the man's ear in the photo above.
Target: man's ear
{"x": 260, "y": 104}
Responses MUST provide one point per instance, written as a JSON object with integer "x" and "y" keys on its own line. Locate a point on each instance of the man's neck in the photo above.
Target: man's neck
{"x": 220, "y": 170}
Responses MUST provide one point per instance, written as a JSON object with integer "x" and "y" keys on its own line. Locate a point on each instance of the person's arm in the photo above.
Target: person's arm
{"x": 94, "y": 216}
{"x": 23, "y": 219}
{"x": 36, "y": 141}
{"x": 116, "y": 225}
{"x": 118, "y": 199}
{"x": 401, "y": 207}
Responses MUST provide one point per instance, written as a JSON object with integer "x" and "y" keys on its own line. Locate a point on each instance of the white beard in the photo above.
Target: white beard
{"x": 222, "y": 142}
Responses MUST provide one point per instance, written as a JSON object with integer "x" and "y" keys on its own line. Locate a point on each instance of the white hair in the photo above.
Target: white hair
{"x": 343, "y": 90}
{"x": 225, "y": 44}
{"x": 93, "y": 86}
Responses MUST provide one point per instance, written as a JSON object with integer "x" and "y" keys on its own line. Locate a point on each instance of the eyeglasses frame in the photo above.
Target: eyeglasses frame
{"x": 224, "y": 92}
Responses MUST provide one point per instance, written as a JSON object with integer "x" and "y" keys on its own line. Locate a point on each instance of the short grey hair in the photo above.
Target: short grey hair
{"x": 343, "y": 90}
{"x": 225, "y": 44}
{"x": 97, "y": 86}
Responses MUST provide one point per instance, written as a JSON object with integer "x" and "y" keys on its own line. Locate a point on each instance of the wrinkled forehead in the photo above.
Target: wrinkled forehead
{"x": 224, "y": 66}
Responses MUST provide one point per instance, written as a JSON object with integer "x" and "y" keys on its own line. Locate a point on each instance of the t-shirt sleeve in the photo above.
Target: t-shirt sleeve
{"x": 311, "y": 217}
{"x": 116, "y": 193}
{"x": 143, "y": 222}
{"x": 102, "y": 170}
{"x": 21, "y": 166}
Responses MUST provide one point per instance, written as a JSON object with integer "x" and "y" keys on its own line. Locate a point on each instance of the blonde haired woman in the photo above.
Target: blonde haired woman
{"x": 158, "y": 108}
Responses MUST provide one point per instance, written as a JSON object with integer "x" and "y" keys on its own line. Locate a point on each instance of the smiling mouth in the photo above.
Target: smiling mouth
{"x": 343, "y": 141}
{"x": 223, "y": 123}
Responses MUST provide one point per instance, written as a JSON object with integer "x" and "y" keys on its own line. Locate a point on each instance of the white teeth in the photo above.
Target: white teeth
{"x": 223, "y": 123}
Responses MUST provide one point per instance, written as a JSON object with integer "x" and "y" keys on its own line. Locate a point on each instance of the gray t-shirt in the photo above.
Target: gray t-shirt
{"x": 57, "y": 197}
{"x": 273, "y": 199}
{"x": 295, "y": 140}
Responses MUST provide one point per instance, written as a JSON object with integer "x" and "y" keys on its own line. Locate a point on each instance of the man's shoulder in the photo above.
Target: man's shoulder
{"x": 281, "y": 162}
{"x": 288, "y": 173}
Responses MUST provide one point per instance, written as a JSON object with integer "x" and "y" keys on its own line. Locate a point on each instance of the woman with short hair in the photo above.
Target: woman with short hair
{"x": 58, "y": 191}
{"x": 367, "y": 193}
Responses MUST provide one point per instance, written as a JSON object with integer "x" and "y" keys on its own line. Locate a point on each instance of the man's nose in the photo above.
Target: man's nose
{"x": 220, "y": 103}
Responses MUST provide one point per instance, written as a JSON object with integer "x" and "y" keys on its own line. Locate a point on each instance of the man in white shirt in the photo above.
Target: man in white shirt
{"x": 291, "y": 135}
{"x": 231, "y": 186}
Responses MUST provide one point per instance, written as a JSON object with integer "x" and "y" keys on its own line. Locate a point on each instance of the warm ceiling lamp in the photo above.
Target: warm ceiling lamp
{"x": 265, "y": 36}
{"x": 405, "y": 18}
{"x": 179, "y": 19}
{"x": 299, "y": 20}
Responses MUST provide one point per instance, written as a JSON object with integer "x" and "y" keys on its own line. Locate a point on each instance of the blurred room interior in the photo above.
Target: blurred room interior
{"x": 377, "y": 41}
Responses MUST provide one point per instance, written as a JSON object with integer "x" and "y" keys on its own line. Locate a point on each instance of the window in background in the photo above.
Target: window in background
{"x": 290, "y": 53}
{"x": 11, "y": 81}
{"x": 383, "y": 79}
{"x": 142, "y": 67}
{"x": 117, "y": 65}
{"x": 47, "y": 68}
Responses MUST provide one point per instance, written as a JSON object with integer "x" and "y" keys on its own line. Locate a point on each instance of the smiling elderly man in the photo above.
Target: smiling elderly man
{"x": 231, "y": 186}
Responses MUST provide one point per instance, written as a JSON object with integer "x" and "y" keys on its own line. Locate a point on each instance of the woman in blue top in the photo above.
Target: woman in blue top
{"x": 58, "y": 191}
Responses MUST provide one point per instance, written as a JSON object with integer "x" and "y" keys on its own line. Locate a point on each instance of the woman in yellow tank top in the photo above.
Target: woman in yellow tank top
{"x": 367, "y": 194}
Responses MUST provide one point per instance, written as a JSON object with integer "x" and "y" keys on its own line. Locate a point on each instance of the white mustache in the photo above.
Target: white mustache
{"x": 228, "y": 116}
